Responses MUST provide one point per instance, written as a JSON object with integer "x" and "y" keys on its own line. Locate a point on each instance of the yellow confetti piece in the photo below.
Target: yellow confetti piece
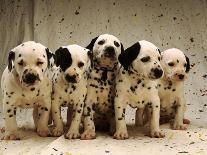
{"x": 171, "y": 136}
{"x": 67, "y": 153}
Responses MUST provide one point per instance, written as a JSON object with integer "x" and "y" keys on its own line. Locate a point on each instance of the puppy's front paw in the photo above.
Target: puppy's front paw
{"x": 56, "y": 132}
{"x": 11, "y": 137}
{"x": 72, "y": 135}
{"x": 179, "y": 126}
{"x": 157, "y": 134}
{"x": 43, "y": 132}
{"x": 88, "y": 135}
{"x": 121, "y": 135}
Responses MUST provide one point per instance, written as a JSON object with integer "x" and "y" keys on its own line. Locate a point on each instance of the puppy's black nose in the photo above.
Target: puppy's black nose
{"x": 157, "y": 72}
{"x": 30, "y": 78}
{"x": 110, "y": 51}
{"x": 181, "y": 76}
{"x": 71, "y": 79}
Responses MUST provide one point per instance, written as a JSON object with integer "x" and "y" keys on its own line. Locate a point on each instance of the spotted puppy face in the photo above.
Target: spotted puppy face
{"x": 106, "y": 49}
{"x": 73, "y": 61}
{"x": 143, "y": 58}
{"x": 30, "y": 61}
{"x": 175, "y": 64}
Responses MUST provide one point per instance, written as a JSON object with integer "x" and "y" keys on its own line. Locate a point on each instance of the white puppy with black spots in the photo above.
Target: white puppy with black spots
{"x": 25, "y": 84}
{"x": 70, "y": 86}
{"x": 136, "y": 85}
{"x": 99, "y": 108}
{"x": 171, "y": 88}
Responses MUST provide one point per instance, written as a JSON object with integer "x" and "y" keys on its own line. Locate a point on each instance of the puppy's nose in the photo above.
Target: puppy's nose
{"x": 181, "y": 76}
{"x": 71, "y": 79}
{"x": 157, "y": 72}
{"x": 110, "y": 51}
{"x": 30, "y": 78}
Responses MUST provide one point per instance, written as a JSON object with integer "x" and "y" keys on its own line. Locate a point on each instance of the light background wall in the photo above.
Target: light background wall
{"x": 166, "y": 23}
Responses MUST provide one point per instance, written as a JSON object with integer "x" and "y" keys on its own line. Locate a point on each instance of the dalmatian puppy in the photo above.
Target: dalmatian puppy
{"x": 99, "y": 106}
{"x": 137, "y": 86}
{"x": 171, "y": 88}
{"x": 70, "y": 86}
{"x": 25, "y": 84}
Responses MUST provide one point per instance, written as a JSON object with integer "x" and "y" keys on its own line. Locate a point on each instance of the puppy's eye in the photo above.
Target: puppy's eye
{"x": 80, "y": 64}
{"x": 145, "y": 59}
{"x": 116, "y": 44}
{"x": 101, "y": 42}
{"x": 21, "y": 63}
{"x": 159, "y": 58}
{"x": 39, "y": 63}
{"x": 171, "y": 64}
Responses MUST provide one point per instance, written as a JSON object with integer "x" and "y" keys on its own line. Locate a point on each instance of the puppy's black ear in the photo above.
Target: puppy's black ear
{"x": 90, "y": 55}
{"x": 122, "y": 48}
{"x": 90, "y": 46}
{"x": 49, "y": 56}
{"x": 187, "y": 65}
{"x": 11, "y": 58}
{"x": 129, "y": 55}
{"x": 63, "y": 58}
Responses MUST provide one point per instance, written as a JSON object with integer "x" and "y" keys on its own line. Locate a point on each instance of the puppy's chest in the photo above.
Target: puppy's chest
{"x": 31, "y": 97}
{"x": 101, "y": 84}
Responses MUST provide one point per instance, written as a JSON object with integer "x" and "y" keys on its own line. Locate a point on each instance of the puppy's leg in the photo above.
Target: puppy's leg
{"x": 155, "y": 116}
{"x": 121, "y": 129}
{"x": 10, "y": 120}
{"x": 43, "y": 114}
{"x": 56, "y": 116}
{"x": 89, "y": 127}
{"x": 73, "y": 131}
{"x": 35, "y": 116}
{"x": 179, "y": 116}
{"x": 139, "y": 117}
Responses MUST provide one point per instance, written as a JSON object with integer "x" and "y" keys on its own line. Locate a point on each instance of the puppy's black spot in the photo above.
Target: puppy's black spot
{"x": 63, "y": 58}
{"x": 10, "y": 115}
{"x": 46, "y": 109}
{"x": 9, "y": 110}
{"x": 32, "y": 89}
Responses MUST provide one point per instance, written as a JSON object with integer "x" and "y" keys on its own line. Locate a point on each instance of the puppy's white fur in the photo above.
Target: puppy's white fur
{"x": 71, "y": 94}
{"x": 29, "y": 57}
{"x": 136, "y": 85}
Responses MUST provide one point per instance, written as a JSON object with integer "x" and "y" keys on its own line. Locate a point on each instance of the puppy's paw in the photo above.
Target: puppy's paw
{"x": 88, "y": 135}
{"x": 43, "y": 132}
{"x": 157, "y": 134}
{"x": 56, "y": 132}
{"x": 179, "y": 126}
{"x": 121, "y": 135}
{"x": 72, "y": 135}
{"x": 11, "y": 137}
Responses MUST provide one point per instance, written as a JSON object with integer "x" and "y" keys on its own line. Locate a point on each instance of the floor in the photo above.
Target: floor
{"x": 192, "y": 141}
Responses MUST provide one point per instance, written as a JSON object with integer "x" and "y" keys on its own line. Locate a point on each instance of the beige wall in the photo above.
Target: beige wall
{"x": 167, "y": 23}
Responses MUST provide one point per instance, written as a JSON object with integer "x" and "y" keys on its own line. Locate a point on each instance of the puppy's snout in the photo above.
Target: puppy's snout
{"x": 109, "y": 51}
{"x": 157, "y": 72}
{"x": 30, "y": 78}
{"x": 71, "y": 79}
{"x": 181, "y": 76}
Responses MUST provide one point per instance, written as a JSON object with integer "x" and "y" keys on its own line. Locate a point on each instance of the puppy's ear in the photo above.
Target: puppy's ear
{"x": 63, "y": 58}
{"x": 90, "y": 55}
{"x": 49, "y": 56}
{"x": 90, "y": 46}
{"x": 11, "y": 58}
{"x": 187, "y": 65}
{"x": 122, "y": 48}
{"x": 129, "y": 55}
